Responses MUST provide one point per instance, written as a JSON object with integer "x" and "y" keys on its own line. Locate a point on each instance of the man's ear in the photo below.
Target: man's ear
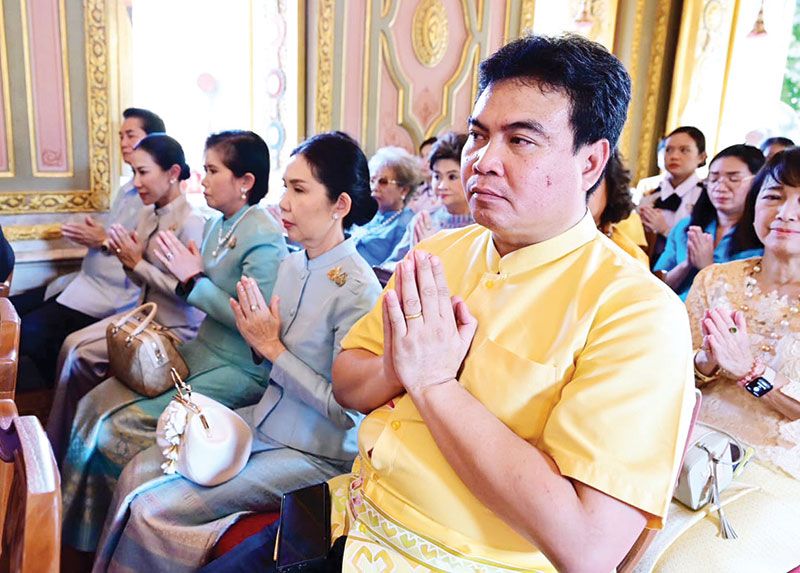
{"x": 596, "y": 156}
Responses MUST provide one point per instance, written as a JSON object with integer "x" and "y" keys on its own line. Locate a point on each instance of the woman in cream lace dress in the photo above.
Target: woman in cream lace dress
{"x": 745, "y": 318}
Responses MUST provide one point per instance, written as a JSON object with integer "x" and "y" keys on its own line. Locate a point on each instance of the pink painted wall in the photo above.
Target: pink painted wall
{"x": 353, "y": 80}
{"x": 48, "y": 87}
{"x": 428, "y": 99}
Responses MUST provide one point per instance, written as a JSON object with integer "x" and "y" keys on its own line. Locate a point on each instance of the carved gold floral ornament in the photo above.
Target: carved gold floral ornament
{"x": 429, "y": 33}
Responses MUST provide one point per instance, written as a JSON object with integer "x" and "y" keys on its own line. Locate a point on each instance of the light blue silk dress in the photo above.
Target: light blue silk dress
{"x": 113, "y": 423}
{"x": 377, "y": 239}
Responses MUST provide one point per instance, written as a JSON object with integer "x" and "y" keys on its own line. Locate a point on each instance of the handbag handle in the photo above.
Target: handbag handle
{"x": 151, "y": 309}
{"x": 183, "y": 396}
{"x": 734, "y": 440}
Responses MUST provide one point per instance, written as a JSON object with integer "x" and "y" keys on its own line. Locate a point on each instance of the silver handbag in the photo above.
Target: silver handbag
{"x": 708, "y": 469}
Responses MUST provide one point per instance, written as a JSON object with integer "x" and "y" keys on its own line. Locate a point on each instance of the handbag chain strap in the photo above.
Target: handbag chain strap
{"x": 184, "y": 397}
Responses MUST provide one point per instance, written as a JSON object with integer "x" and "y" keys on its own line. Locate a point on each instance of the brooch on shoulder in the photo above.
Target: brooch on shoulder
{"x": 338, "y": 276}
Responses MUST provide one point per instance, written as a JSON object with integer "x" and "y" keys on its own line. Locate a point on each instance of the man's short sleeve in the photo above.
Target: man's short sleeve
{"x": 621, "y": 423}
{"x": 367, "y": 333}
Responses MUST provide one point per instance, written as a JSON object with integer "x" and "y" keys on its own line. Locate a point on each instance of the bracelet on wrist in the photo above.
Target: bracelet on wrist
{"x": 755, "y": 371}
{"x": 705, "y": 378}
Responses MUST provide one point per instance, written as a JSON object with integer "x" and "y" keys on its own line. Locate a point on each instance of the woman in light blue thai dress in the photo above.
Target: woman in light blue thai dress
{"x": 113, "y": 423}
{"x": 395, "y": 176}
{"x": 301, "y": 434}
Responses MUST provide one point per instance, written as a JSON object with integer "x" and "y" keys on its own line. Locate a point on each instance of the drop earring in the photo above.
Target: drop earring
{"x": 244, "y": 193}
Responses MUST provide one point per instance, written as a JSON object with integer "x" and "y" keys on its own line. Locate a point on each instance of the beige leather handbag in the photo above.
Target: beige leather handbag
{"x": 141, "y": 352}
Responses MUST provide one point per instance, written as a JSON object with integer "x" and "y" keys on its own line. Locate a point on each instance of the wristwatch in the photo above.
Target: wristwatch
{"x": 183, "y": 290}
{"x": 762, "y": 384}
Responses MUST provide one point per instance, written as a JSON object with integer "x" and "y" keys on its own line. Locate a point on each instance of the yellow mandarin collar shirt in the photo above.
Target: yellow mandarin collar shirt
{"x": 579, "y": 350}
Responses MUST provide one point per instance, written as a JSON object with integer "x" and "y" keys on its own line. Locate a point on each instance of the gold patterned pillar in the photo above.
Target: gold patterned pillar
{"x": 646, "y": 35}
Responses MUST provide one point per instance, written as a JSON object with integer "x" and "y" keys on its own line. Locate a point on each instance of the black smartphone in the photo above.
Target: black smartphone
{"x": 304, "y": 537}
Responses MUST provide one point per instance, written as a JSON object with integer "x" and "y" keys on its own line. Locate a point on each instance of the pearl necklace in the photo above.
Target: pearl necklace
{"x": 229, "y": 241}
{"x": 788, "y": 308}
{"x": 382, "y": 224}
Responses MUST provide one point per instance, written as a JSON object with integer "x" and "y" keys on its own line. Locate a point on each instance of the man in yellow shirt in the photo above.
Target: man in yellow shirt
{"x": 536, "y": 419}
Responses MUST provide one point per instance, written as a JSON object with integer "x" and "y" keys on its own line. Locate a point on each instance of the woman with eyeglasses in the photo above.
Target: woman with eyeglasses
{"x": 395, "y": 174}
{"x": 710, "y": 234}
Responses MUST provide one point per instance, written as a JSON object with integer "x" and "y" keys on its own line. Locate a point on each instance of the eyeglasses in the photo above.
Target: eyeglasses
{"x": 729, "y": 177}
{"x": 382, "y": 181}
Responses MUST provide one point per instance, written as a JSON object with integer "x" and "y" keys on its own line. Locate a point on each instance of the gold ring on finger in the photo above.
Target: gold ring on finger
{"x": 118, "y": 250}
{"x": 413, "y": 316}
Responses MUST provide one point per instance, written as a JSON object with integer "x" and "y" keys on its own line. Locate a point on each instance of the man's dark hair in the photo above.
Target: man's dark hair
{"x": 779, "y": 140}
{"x": 594, "y": 80}
{"x": 151, "y": 123}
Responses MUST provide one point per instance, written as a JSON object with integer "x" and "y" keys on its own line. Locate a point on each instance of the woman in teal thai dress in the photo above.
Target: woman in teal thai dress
{"x": 301, "y": 434}
{"x": 113, "y": 423}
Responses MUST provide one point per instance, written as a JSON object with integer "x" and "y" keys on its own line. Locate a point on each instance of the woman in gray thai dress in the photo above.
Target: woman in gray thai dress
{"x": 113, "y": 423}
{"x": 301, "y": 434}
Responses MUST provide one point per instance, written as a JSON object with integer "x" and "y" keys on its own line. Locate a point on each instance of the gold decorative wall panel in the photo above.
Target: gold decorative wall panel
{"x": 702, "y": 66}
{"x": 46, "y": 231}
{"x": 325, "y": 34}
{"x": 6, "y": 94}
{"x": 648, "y": 133}
{"x": 429, "y": 33}
{"x": 527, "y": 11}
{"x": 400, "y": 44}
{"x": 99, "y": 140}
{"x": 47, "y": 87}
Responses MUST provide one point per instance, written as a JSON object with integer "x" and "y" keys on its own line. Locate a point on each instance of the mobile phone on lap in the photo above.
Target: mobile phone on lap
{"x": 304, "y": 537}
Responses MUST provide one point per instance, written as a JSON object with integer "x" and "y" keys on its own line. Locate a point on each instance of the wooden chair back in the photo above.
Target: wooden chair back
{"x": 9, "y": 349}
{"x": 646, "y": 537}
{"x": 30, "y": 486}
